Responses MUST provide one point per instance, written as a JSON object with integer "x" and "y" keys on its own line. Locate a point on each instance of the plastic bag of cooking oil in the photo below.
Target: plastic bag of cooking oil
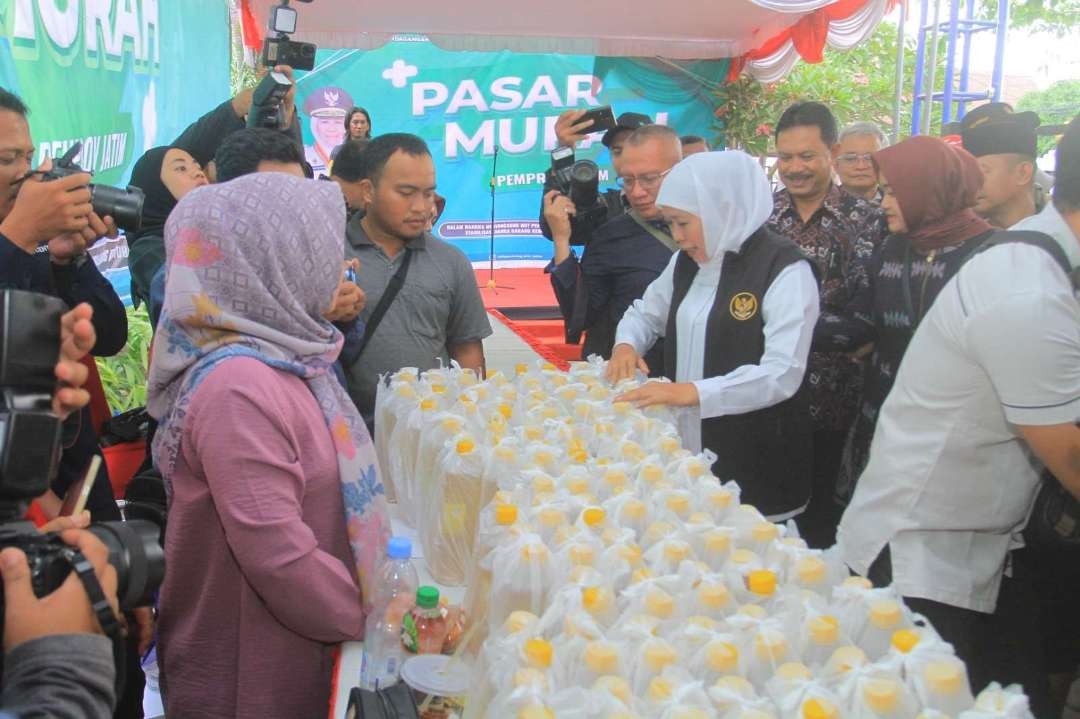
{"x": 395, "y": 397}
{"x": 687, "y": 470}
{"x": 427, "y": 473}
{"x": 403, "y": 449}
{"x": 996, "y": 702}
{"x": 448, "y": 530}
{"x": 522, "y": 577}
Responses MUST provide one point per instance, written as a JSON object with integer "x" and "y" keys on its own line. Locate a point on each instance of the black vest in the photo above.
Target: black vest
{"x": 769, "y": 452}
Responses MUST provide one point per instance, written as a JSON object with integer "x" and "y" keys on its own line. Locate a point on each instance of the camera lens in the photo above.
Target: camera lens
{"x": 124, "y": 206}
{"x": 584, "y": 184}
{"x": 135, "y": 552}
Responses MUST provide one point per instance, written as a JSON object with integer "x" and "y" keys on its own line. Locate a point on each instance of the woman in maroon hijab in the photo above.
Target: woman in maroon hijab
{"x": 929, "y": 191}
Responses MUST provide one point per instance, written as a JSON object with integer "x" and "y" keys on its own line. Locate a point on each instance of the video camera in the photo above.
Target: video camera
{"x": 30, "y": 443}
{"x": 280, "y": 50}
{"x": 124, "y": 206}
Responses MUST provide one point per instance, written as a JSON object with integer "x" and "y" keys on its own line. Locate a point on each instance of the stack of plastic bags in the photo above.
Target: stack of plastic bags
{"x": 610, "y": 575}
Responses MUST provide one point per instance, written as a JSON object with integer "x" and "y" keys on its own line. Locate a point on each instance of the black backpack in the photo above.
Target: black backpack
{"x": 1055, "y": 518}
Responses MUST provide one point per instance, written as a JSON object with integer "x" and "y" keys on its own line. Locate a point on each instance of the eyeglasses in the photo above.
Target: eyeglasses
{"x": 854, "y": 158}
{"x": 648, "y": 181}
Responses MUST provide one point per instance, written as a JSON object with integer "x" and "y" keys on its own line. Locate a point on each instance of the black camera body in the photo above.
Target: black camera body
{"x": 266, "y": 102}
{"x": 579, "y": 181}
{"x": 124, "y": 206}
{"x": 30, "y": 443}
{"x": 283, "y": 51}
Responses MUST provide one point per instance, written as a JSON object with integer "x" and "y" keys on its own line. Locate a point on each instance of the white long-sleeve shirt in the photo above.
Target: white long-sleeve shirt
{"x": 789, "y": 310}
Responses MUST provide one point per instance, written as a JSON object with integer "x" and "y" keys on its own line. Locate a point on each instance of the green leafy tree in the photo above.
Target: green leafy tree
{"x": 124, "y": 375}
{"x": 1056, "y": 105}
{"x": 1059, "y": 17}
{"x": 857, "y": 84}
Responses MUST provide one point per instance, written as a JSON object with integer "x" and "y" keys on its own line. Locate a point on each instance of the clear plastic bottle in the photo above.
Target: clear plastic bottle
{"x": 394, "y": 590}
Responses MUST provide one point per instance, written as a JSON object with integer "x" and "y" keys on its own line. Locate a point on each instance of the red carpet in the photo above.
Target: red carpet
{"x": 523, "y": 300}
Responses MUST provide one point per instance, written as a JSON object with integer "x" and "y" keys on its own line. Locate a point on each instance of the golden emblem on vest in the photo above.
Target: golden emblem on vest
{"x": 743, "y": 306}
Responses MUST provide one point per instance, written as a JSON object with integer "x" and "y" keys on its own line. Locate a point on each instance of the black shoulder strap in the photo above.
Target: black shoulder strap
{"x": 1028, "y": 237}
{"x": 392, "y": 289}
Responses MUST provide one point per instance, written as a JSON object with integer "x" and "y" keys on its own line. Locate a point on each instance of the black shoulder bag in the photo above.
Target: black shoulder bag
{"x": 392, "y": 289}
{"x": 1055, "y": 518}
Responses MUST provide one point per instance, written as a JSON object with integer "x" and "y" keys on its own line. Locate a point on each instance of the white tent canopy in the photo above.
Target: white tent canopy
{"x": 675, "y": 29}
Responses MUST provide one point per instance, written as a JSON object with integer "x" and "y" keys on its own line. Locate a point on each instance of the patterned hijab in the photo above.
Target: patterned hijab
{"x": 251, "y": 266}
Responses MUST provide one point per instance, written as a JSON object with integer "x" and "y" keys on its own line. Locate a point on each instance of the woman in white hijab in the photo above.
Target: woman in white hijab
{"x": 740, "y": 303}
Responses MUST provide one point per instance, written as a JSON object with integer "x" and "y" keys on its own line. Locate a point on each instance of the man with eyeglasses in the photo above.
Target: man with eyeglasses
{"x": 626, "y": 253}
{"x": 838, "y": 232}
{"x": 855, "y": 159}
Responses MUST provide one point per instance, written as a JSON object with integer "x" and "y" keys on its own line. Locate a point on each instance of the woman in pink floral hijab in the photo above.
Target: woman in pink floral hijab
{"x": 277, "y": 514}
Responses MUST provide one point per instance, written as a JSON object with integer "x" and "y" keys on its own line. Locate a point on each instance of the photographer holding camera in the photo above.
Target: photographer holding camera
{"x": 624, "y": 255}
{"x": 56, "y": 663}
{"x": 46, "y": 228}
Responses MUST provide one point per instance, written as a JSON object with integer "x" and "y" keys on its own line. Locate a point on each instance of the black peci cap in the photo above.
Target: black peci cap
{"x": 995, "y": 128}
{"x": 625, "y": 121}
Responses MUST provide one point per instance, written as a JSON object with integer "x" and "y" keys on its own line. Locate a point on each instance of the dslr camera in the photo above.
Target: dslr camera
{"x": 280, "y": 50}
{"x": 124, "y": 206}
{"x": 580, "y": 181}
{"x": 30, "y": 443}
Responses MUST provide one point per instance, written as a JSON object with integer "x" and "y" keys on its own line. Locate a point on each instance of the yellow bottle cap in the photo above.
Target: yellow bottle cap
{"x": 819, "y": 708}
{"x": 550, "y": 517}
{"x": 535, "y": 711}
{"x": 657, "y": 531}
{"x": 630, "y": 553}
{"x": 717, "y": 542}
{"x": 543, "y": 483}
{"x": 904, "y": 640}
{"x": 811, "y": 571}
{"x": 593, "y": 516}
{"x": 530, "y": 677}
{"x": 659, "y": 603}
{"x": 640, "y": 575}
{"x": 794, "y": 672}
{"x": 519, "y": 620}
{"x": 679, "y": 503}
{"x": 451, "y": 425}
{"x": 722, "y": 657}
{"x": 465, "y": 446}
{"x": 690, "y": 713}
{"x": 539, "y": 652}
{"x": 713, "y": 595}
{"x": 549, "y": 412}
{"x": 427, "y": 404}
{"x": 577, "y": 485}
{"x": 676, "y": 550}
{"x": 634, "y": 510}
{"x": 579, "y": 456}
{"x": 770, "y": 645}
{"x": 505, "y": 514}
{"x": 615, "y": 477}
{"x": 743, "y": 556}
{"x": 700, "y": 518}
{"x": 669, "y": 444}
{"x": 700, "y": 622}
{"x": 534, "y": 552}
{"x": 696, "y": 468}
{"x": 595, "y": 599}
{"x": 882, "y": 695}
{"x": 765, "y": 532}
{"x": 543, "y": 458}
{"x": 615, "y": 686}
{"x": 886, "y": 614}
{"x": 658, "y": 654}
{"x": 582, "y": 555}
{"x": 762, "y": 582}
{"x": 632, "y": 450}
{"x": 521, "y": 368}
{"x": 720, "y": 498}
{"x": 660, "y": 689}
{"x": 753, "y": 611}
{"x": 601, "y": 658}
{"x": 858, "y": 583}
{"x": 944, "y": 677}
{"x": 736, "y": 685}
{"x": 406, "y": 391}
{"x": 824, "y": 630}
{"x": 847, "y": 658}
{"x": 652, "y": 473}
{"x": 549, "y": 367}
{"x": 438, "y": 388}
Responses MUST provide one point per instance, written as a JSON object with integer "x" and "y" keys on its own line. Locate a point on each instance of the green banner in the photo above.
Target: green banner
{"x": 120, "y": 76}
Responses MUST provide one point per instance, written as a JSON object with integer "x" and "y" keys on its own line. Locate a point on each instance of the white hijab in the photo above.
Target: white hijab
{"x": 728, "y": 191}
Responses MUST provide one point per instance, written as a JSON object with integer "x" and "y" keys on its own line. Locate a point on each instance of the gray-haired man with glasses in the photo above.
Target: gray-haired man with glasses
{"x": 626, "y": 253}
{"x": 854, "y": 159}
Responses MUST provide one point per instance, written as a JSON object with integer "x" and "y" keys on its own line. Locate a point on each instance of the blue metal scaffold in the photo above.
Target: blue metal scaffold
{"x": 955, "y": 89}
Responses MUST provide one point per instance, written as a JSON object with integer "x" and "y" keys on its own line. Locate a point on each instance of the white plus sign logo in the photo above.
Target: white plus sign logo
{"x": 399, "y": 73}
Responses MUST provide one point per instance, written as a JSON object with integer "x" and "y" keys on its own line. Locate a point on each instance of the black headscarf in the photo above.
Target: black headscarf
{"x": 146, "y": 175}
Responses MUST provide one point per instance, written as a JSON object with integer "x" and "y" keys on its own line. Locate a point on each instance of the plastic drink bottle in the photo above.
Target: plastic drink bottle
{"x": 424, "y": 629}
{"x": 395, "y": 587}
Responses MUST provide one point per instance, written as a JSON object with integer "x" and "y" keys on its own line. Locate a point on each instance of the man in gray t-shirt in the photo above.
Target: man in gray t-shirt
{"x": 437, "y": 314}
